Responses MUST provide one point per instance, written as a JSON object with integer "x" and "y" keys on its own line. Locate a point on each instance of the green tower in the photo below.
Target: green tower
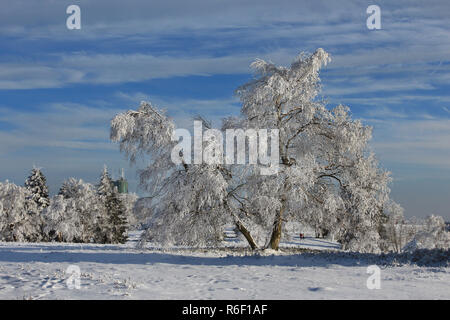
{"x": 121, "y": 184}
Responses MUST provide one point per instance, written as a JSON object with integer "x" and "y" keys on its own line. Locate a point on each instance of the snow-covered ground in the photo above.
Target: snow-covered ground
{"x": 39, "y": 271}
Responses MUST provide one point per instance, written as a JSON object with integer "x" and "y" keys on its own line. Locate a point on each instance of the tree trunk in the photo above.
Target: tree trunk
{"x": 276, "y": 231}
{"x": 246, "y": 234}
{"x": 242, "y": 228}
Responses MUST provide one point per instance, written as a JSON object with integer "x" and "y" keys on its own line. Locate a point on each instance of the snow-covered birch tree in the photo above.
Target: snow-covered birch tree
{"x": 327, "y": 176}
{"x": 187, "y": 199}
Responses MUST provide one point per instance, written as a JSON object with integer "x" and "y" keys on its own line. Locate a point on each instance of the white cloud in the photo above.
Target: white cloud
{"x": 86, "y": 127}
{"x": 114, "y": 68}
{"x": 424, "y": 142}
{"x": 67, "y": 125}
{"x": 411, "y": 36}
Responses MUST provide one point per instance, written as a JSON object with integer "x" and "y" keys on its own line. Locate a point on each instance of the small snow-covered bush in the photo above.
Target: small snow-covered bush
{"x": 73, "y": 214}
{"x": 396, "y": 231}
{"x": 72, "y": 188}
{"x": 432, "y": 235}
{"x": 83, "y": 213}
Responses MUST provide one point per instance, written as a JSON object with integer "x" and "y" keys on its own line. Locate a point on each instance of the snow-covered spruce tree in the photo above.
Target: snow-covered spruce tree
{"x": 103, "y": 227}
{"x": 105, "y": 186}
{"x": 72, "y": 215}
{"x": 117, "y": 226}
{"x": 111, "y": 224}
{"x": 20, "y": 218}
{"x": 37, "y": 184}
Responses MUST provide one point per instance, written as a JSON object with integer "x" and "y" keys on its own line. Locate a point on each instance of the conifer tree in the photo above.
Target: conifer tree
{"x": 105, "y": 187}
{"x": 117, "y": 221}
{"x": 111, "y": 226}
{"x": 36, "y": 183}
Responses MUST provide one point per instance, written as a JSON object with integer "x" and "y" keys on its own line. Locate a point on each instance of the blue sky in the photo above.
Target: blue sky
{"x": 59, "y": 88}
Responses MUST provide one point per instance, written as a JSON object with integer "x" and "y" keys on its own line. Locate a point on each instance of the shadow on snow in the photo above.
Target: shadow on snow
{"x": 110, "y": 255}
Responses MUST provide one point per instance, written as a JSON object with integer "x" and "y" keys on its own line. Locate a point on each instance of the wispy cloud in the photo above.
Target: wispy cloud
{"x": 398, "y": 140}
{"x": 64, "y": 125}
{"x": 154, "y": 38}
{"x": 113, "y": 69}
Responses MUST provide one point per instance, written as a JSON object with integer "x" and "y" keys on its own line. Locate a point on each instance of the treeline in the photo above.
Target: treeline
{"x": 80, "y": 212}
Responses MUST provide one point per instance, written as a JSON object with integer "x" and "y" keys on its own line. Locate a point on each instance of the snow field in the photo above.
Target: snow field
{"x": 38, "y": 271}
